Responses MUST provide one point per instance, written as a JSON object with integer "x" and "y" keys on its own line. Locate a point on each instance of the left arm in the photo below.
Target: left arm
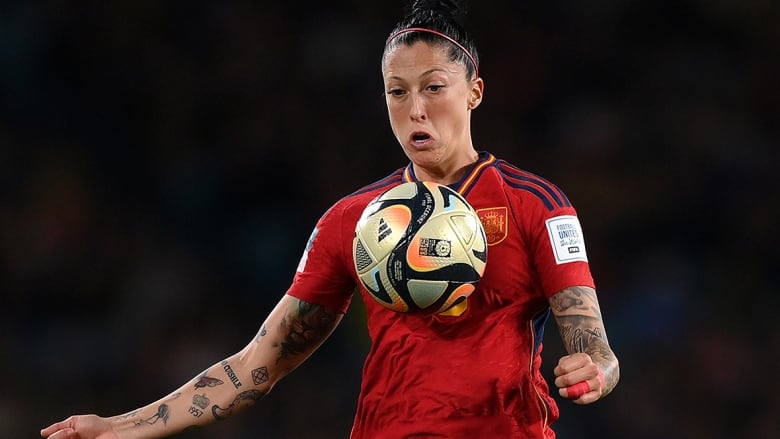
{"x": 590, "y": 370}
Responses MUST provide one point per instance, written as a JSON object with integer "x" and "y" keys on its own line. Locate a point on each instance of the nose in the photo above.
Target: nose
{"x": 417, "y": 111}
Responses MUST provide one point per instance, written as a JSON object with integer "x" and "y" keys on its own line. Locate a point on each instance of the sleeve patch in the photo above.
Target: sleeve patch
{"x": 309, "y": 245}
{"x": 566, "y": 239}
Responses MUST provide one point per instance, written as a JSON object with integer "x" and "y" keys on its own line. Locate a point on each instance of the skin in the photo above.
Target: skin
{"x": 578, "y": 316}
{"x": 290, "y": 334}
{"x": 428, "y": 95}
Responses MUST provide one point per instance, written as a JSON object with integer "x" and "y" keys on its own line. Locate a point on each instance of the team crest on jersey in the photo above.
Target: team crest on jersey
{"x": 494, "y": 221}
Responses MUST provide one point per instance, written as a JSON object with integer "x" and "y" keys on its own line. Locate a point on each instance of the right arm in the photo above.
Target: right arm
{"x": 290, "y": 334}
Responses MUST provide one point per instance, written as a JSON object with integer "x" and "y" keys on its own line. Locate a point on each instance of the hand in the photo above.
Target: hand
{"x": 578, "y": 378}
{"x": 80, "y": 427}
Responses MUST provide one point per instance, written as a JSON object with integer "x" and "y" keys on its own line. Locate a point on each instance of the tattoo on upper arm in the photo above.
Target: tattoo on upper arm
{"x": 305, "y": 326}
{"x": 260, "y": 333}
{"x": 575, "y": 299}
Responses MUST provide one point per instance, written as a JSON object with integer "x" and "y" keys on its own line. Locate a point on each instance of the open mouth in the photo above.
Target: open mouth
{"x": 420, "y": 138}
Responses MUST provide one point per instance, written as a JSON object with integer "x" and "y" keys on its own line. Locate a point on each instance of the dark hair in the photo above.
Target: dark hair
{"x": 444, "y": 17}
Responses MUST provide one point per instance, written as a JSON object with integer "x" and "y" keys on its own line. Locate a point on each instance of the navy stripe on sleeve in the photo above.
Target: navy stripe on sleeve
{"x": 393, "y": 178}
{"x": 520, "y": 179}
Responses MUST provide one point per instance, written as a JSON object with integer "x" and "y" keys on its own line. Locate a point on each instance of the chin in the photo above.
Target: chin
{"x": 424, "y": 157}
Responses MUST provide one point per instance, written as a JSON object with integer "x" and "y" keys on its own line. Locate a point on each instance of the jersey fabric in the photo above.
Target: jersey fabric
{"x": 476, "y": 374}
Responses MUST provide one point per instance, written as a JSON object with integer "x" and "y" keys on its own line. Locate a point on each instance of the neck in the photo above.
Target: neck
{"x": 446, "y": 173}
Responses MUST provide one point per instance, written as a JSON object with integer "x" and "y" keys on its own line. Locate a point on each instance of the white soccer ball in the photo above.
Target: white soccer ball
{"x": 419, "y": 248}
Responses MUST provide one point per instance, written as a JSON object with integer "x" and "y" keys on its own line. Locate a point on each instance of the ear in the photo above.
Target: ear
{"x": 475, "y": 94}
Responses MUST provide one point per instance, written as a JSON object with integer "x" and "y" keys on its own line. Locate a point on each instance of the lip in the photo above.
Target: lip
{"x": 420, "y": 143}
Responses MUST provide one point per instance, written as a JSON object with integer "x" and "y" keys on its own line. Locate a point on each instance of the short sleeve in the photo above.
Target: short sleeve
{"x": 559, "y": 252}
{"x": 323, "y": 276}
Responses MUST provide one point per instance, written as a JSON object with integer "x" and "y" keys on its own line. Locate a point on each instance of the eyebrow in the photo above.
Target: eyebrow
{"x": 425, "y": 73}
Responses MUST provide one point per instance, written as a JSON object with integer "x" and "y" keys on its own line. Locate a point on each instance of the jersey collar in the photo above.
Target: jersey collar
{"x": 462, "y": 186}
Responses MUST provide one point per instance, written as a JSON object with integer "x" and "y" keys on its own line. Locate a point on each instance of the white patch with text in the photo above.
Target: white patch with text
{"x": 566, "y": 238}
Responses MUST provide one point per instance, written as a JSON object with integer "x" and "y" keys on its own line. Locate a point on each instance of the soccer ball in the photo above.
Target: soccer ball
{"x": 419, "y": 248}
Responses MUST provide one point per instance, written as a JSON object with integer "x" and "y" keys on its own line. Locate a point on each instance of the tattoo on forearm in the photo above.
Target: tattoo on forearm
{"x": 194, "y": 411}
{"x": 305, "y": 326}
{"x": 582, "y": 330}
{"x": 232, "y": 375}
{"x": 260, "y": 375}
{"x": 201, "y": 401}
{"x": 163, "y": 412}
{"x": 199, "y": 404}
{"x": 249, "y": 397}
{"x": 577, "y": 333}
{"x": 206, "y": 381}
{"x": 129, "y": 415}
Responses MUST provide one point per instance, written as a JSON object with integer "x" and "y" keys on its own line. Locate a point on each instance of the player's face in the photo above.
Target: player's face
{"x": 429, "y": 102}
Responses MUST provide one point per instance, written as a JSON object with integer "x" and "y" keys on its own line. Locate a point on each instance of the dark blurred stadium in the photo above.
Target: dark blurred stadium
{"x": 163, "y": 163}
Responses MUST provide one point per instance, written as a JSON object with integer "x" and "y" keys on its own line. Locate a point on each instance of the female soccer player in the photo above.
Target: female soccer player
{"x": 473, "y": 371}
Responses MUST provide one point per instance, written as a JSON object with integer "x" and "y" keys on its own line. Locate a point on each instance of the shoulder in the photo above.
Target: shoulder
{"x": 354, "y": 203}
{"x": 529, "y": 187}
{"x": 339, "y": 220}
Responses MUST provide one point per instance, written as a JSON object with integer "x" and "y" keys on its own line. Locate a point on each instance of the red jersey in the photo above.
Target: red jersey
{"x": 476, "y": 374}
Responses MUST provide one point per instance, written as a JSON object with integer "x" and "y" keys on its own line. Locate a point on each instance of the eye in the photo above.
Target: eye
{"x": 396, "y": 92}
{"x": 435, "y": 87}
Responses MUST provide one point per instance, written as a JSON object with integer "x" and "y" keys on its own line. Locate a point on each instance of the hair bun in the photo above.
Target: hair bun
{"x": 451, "y": 8}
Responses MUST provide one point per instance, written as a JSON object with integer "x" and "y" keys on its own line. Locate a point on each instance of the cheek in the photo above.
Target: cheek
{"x": 395, "y": 116}
{"x": 445, "y": 117}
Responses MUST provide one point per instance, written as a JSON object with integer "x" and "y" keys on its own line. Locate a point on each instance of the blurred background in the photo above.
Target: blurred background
{"x": 163, "y": 163}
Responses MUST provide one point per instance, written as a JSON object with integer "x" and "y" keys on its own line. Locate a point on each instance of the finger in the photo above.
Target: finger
{"x": 65, "y": 433}
{"x": 575, "y": 391}
{"x": 569, "y": 363}
{"x": 57, "y": 426}
{"x": 576, "y": 376}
